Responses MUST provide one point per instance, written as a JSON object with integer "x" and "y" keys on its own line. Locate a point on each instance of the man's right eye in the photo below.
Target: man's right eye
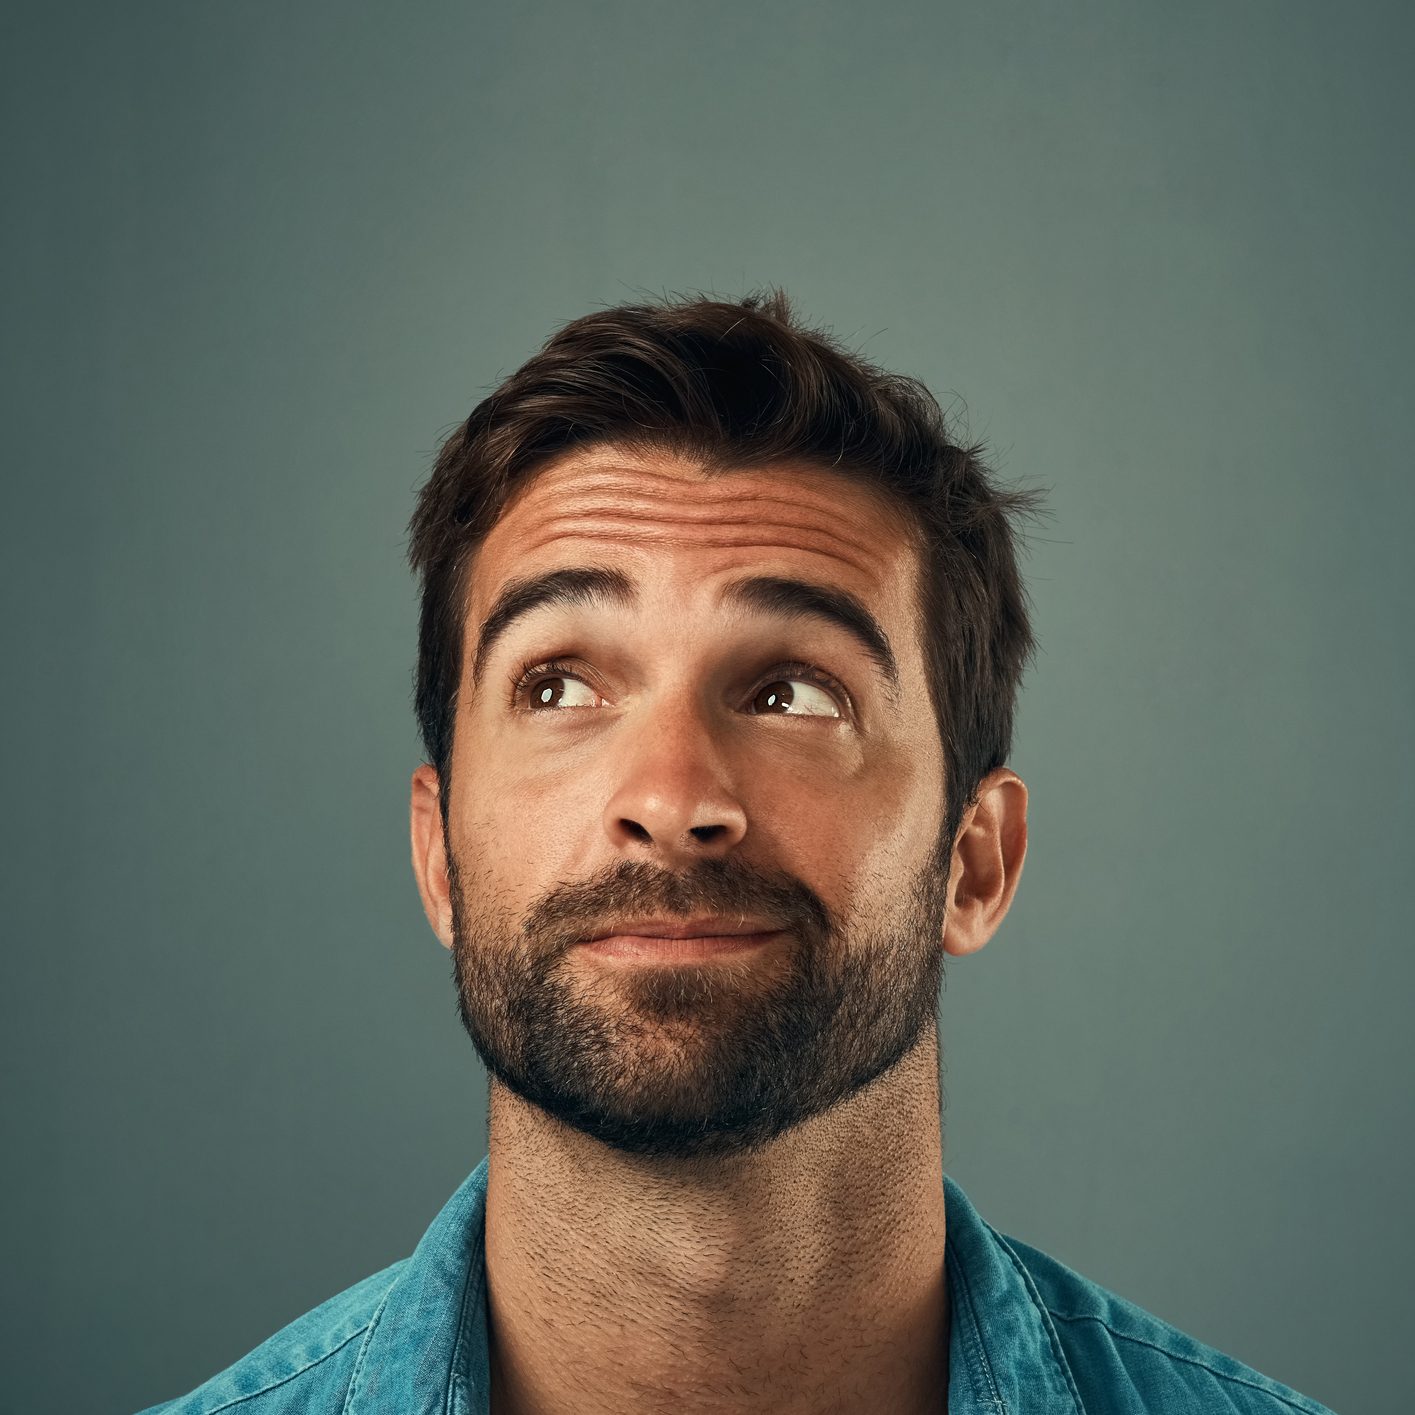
{"x": 536, "y": 686}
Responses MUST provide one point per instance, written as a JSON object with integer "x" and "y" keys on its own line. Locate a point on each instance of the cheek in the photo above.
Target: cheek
{"x": 886, "y": 833}
{"x": 521, "y": 829}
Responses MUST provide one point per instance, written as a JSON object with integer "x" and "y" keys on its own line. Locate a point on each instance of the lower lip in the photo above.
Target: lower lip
{"x": 677, "y": 950}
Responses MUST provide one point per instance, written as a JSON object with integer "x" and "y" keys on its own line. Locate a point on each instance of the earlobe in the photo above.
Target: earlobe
{"x": 961, "y": 935}
{"x": 430, "y": 852}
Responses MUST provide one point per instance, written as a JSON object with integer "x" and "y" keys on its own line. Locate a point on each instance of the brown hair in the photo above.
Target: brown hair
{"x": 733, "y": 385}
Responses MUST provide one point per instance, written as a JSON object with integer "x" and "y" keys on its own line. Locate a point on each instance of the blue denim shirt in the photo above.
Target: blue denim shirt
{"x": 1027, "y": 1335}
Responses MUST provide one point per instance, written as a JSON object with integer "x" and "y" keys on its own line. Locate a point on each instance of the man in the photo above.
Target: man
{"x": 720, "y": 643}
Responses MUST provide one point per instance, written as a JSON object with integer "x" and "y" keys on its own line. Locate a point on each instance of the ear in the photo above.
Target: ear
{"x": 987, "y": 862}
{"x": 430, "y": 853}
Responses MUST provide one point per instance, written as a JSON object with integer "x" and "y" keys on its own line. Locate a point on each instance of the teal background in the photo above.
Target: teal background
{"x": 259, "y": 259}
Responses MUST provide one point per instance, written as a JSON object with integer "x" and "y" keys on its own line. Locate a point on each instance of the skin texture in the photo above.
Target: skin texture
{"x": 713, "y": 1186}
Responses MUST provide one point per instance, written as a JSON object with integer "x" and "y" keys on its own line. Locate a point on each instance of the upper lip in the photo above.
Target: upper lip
{"x": 705, "y": 926}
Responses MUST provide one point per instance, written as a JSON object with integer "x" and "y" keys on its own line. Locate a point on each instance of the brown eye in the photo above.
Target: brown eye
{"x": 781, "y": 695}
{"x": 548, "y": 685}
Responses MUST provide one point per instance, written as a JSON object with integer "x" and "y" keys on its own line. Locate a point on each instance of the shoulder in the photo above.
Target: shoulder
{"x": 305, "y": 1366}
{"x": 1125, "y": 1358}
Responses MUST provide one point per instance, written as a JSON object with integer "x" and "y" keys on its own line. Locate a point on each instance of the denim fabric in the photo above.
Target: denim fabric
{"x": 1028, "y": 1335}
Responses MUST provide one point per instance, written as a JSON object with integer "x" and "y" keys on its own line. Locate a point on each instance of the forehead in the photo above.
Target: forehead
{"x": 676, "y": 528}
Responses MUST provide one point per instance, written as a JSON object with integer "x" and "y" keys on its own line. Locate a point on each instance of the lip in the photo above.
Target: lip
{"x": 707, "y": 926}
{"x": 685, "y": 948}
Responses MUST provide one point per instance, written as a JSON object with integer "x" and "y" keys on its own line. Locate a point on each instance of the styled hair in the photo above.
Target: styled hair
{"x": 734, "y": 385}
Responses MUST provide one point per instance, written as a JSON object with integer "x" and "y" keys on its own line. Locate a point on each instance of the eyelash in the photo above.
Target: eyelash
{"x": 526, "y": 677}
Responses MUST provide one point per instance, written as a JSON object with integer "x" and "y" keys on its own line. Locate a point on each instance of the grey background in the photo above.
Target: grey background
{"x": 260, "y": 259}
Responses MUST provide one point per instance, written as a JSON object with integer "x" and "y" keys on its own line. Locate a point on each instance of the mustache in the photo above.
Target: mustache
{"x": 637, "y": 889}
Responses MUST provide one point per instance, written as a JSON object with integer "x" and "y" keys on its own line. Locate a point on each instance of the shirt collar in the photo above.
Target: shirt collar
{"x": 425, "y": 1351}
{"x": 1004, "y": 1355}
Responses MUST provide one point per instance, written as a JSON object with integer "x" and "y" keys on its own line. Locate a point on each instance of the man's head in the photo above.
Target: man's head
{"x": 716, "y": 621}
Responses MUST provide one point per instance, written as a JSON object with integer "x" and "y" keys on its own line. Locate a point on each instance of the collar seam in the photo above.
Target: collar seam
{"x": 979, "y": 1366}
{"x": 1035, "y": 1297}
{"x": 472, "y": 1287}
{"x": 276, "y": 1384}
{"x": 350, "y": 1399}
{"x": 1177, "y": 1356}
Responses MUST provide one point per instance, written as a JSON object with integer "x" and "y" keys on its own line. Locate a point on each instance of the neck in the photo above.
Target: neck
{"x": 808, "y": 1277}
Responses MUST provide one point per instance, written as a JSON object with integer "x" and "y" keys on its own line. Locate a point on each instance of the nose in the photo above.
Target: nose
{"x": 674, "y": 801}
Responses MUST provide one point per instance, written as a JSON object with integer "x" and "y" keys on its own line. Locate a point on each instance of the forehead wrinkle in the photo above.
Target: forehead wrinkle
{"x": 850, "y": 552}
{"x": 562, "y": 520}
{"x": 677, "y": 490}
{"x": 586, "y": 487}
{"x": 706, "y": 512}
{"x": 598, "y": 473}
{"x": 683, "y": 495}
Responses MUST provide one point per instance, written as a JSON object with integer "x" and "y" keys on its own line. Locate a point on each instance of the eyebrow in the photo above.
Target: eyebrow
{"x": 588, "y": 585}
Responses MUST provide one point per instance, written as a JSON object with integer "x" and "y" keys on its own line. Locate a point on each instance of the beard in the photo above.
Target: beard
{"x": 697, "y": 1060}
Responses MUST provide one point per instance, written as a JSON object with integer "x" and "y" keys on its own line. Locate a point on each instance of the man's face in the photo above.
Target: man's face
{"x": 679, "y": 761}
